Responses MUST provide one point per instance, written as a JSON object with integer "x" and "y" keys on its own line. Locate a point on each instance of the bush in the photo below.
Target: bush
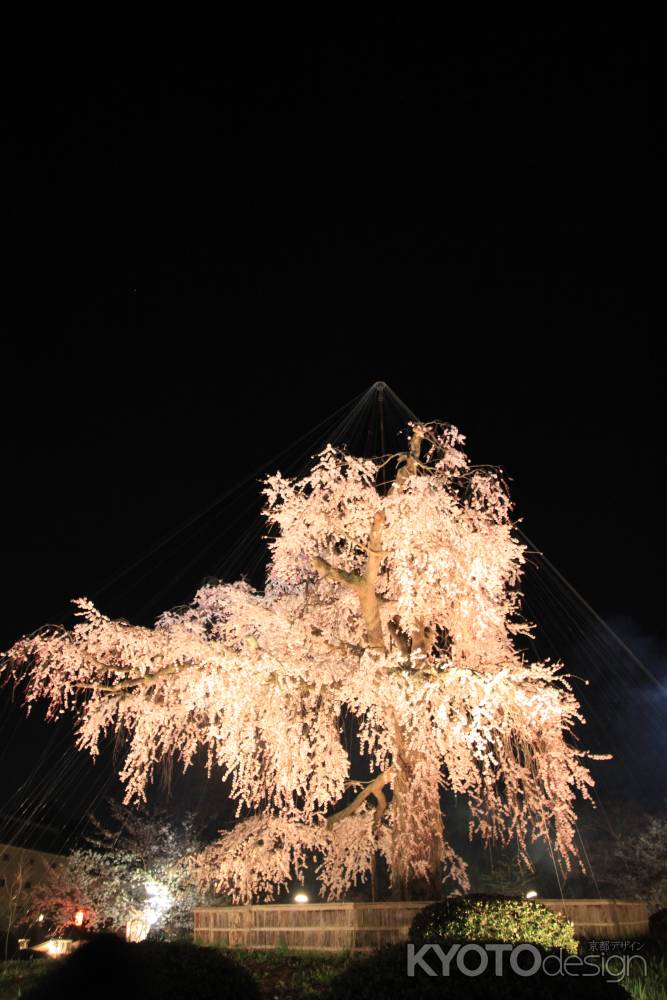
{"x": 110, "y": 968}
{"x": 658, "y": 924}
{"x": 506, "y": 919}
{"x": 383, "y": 976}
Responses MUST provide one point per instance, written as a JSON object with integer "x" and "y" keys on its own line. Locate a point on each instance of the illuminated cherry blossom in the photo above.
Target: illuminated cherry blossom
{"x": 394, "y": 602}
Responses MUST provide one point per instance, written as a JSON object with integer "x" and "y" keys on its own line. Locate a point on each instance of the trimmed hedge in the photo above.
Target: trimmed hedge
{"x": 505, "y": 919}
{"x": 110, "y": 968}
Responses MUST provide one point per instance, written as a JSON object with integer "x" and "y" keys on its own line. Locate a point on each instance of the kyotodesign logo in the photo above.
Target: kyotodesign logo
{"x": 520, "y": 959}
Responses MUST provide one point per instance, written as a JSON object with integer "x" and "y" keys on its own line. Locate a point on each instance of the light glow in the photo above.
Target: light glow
{"x": 159, "y": 902}
{"x": 58, "y": 946}
{"x": 301, "y": 897}
{"x": 531, "y": 895}
{"x": 137, "y": 929}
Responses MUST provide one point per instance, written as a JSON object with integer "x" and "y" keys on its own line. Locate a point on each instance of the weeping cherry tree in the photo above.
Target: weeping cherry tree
{"x": 392, "y": 598}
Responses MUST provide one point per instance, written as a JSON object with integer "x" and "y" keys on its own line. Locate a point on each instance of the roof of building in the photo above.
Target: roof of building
{"x": 30, "y": 835}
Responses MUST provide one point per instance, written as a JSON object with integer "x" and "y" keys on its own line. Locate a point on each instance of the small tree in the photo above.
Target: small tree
{"x": 159, "y": 849}
{"x": 631, "y": 859}
{"x": 14, "y": 900}
{"x": 392, "y": 600}
{"x": 105, "y": 887}
{"x": 134, "y": 870}
{"x": 508, "y": 874}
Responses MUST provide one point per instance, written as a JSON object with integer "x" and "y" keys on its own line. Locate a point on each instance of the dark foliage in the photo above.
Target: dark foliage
{"x": 110, "y": 968}
{"x": 658, "y": 924}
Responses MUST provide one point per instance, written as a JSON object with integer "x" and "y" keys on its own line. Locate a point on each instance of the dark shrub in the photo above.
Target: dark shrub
{"x": 658, "y": 924}
{"x": 383, "y": 976}
{"x": 110, "y": 968}
{"x": 479, "y": 918}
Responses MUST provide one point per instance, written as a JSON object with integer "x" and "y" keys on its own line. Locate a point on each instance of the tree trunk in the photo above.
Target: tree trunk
{"x": 400, "y": 887}
{"x": 417, "y": 834}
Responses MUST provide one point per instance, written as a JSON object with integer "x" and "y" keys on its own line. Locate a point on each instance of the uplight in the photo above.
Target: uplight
{"x": 58, "y": 946}
{"x": 301, "y": 897}
{"x": 531, "y": 895}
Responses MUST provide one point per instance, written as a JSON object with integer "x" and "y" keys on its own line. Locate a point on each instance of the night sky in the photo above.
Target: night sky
{"x": 206, "y": 256}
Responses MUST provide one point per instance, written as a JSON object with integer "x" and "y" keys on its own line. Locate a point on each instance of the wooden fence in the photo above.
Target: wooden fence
{"x": 364, "y": 926}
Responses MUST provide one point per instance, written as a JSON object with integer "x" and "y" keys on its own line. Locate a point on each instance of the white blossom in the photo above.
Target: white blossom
{"x": 400, "y": 606}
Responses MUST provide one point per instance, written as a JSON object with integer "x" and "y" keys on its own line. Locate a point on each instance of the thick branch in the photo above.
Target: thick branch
{"x": 364, "y": 584}
{"x": 132, "y": 682}
{"x": 380, "y": 808}
{"x": 400, "y": 637}
{"x": 373, "y": 787}
{"x": 408, "y": 466}
{"x": 325, "y": 569}
{"x": 368, "y": 599}
{"x": 146, "y": 680}
{"x": 421, "y": 640}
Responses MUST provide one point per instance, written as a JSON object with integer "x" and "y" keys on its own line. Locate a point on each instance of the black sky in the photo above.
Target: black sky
{"x": 207, "y": 254}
